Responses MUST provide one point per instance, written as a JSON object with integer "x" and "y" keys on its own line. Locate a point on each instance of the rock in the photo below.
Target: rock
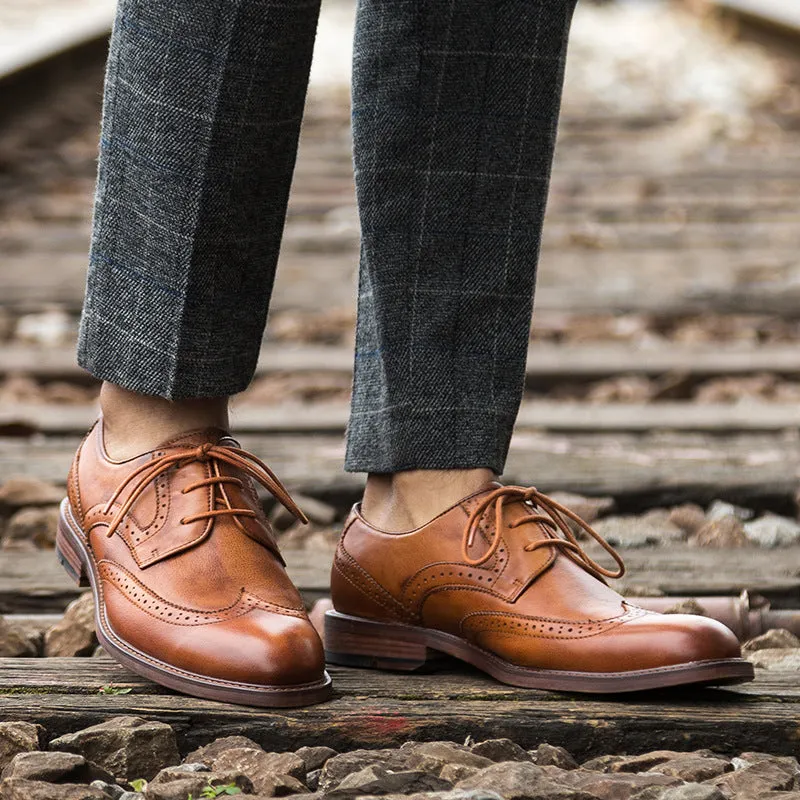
{"x": 265, "y": 770}
{"x": 207, "y": 753}
{"x": 694, "y": 769}
{"x": 689, "y": 517}
{"x": 453, "y": 794}
{"x": 772, "y": 530}
{"x": 18, "y": 737}
{"x": 588, "y": 509}
{"x": 500, "y": 750}
{"x": 374, "y": 779}
{"x": 317, "y": 511}
{"x": 769, "y": 773}
{"x": 725, "y": 532}
{"x": 336, "y": 769}
{"x": 312, "y": 779}
{"x": 548, "y": 755}
{"x": 54, "y": 768}
{"x": 74, "y": 634}
{"x": 315, "y": 757}
{"x": 689, "y": 791}
{"x": 178, "y": 772}
{"x": 36, "y": 525}
{"x": 518, "y": 780}
{"x": 456, "y": 772}
{"x": 179, "y": 785}
{"x": 111, "y": 790}
{"x": 687, "y": 606}
{"x": 16, "y": 641}
{"x": 131, "y": 796}
{"x": 652, "y": 528}
{"x": 128, "y": 747}
{"x": 619, "y": 785}
{"x": 720, "y": 509}
{"x": 776, "y": 639}
{"x": 433, "y": 756}
{"x": 22, "y": 789}
{"x": 778, "y": 659}
{"x": 18, "y": 492}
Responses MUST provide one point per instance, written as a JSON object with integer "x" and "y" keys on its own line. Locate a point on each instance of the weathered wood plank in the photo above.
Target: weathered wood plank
{"x": 570, "y": 417}
{"x": 376, "y": 709}
{"x": 36, "y": 582}
{"x": 658, "y": 467}
{"x": 545, "y": 361}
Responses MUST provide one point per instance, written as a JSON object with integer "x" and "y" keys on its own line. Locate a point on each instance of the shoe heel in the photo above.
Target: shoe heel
{"x": 68, "y": 556}
{"x": 354, "y": 642}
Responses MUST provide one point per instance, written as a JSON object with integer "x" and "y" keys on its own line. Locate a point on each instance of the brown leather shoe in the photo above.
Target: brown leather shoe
{"x": 499, "y": 581}
{"x": 190, "y": 589}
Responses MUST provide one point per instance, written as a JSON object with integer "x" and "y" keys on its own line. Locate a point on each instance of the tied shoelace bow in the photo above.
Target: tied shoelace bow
{"x": 234, "y": 456}
{"x": 553, "y": 517}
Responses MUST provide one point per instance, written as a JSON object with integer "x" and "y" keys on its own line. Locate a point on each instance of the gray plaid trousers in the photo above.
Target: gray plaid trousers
{"x": 455, "y": 108}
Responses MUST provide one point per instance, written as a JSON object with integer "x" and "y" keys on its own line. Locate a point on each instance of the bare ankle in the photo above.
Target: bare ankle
{"x": 406, "y": 500}
{"x": 135, "y": 423}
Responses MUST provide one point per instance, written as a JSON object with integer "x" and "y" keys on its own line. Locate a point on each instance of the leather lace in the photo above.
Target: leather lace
{"x": 234, "y": 456}
{"x": 552, "y": 515}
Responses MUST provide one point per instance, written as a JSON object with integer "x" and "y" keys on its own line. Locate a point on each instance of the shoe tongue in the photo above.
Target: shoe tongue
{"x": 201, "y": 436}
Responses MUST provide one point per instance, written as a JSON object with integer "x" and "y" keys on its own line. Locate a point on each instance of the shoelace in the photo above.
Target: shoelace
{"x": 553, "y": 518}
{"x": 235, "y": 456}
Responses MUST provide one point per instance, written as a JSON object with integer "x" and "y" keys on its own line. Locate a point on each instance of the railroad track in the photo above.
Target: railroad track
{"x": 669, "y": 269}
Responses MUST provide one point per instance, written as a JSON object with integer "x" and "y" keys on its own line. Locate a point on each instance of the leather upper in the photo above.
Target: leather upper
{"x": 183, "y": 578}
{"x": 536, "y": 600}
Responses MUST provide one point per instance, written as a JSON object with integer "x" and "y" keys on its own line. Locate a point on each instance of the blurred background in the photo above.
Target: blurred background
{"x": 663, "y": 395}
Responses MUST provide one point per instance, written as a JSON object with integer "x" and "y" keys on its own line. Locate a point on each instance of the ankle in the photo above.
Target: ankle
{"x": 135, "y": 423}
{"x": 406, "y": 500}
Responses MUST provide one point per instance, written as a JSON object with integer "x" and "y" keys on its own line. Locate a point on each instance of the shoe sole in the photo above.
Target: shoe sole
{"x": 356, "y": 642}
{"x": 80, "y": 566}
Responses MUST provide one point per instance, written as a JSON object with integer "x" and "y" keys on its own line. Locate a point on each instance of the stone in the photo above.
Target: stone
{"x": 694, "y": 769}
{"x": 16, "y": 641}
{"x": 36, "y": 525}
{"x": 54, "y": 768}
{"x": 690, "y": 605}
{"x": 18, "y": 492}
{"x": 433, "y": 756}
{"x": 178, "y": 771}
{"x": 18, "y": 737}
{"x": 651, "y": 529}
{"x": 453, "y": 794}
{"x": 312, "y": 779}
{"x": 640, "y": 763}
{"x": 317, "y": 512}
{"x": 772, "y": 530}
{"x": 374, "y": 779}
{"x": 23, "y": 789}
{"x": 128, "y": 747}
{"x": 548, "y": 755}
{"x": 776, "y": 639}
{"x": 689, "y": 517}
{"x": 768, "y": 774}
{"x": 336, "y": 769}
{"x": 207, "y": 753}
{"x": 779, "y": 659}
{"x": 617, "y": 785}
{"x": 518, "y": 780}
{"x": 454, "y": 773}
{"x": 725, "y": 532}
{"x": 500, "y": 750}
{"x": 263, "y": 769}
{"x": 588, "y": 509}
{"x": 720, "y": 509}
{"x": 315, "y": 757}
{"x": 131, "y": 796}
{"x": 73, "y": 634}
{"x": 112, "y": 790}
{"x": 689, "y": 791}
{"x": 181, "y": 785}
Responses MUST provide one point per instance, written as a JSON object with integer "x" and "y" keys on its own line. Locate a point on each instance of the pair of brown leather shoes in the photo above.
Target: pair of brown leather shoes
{"x": 191, "y": 591}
